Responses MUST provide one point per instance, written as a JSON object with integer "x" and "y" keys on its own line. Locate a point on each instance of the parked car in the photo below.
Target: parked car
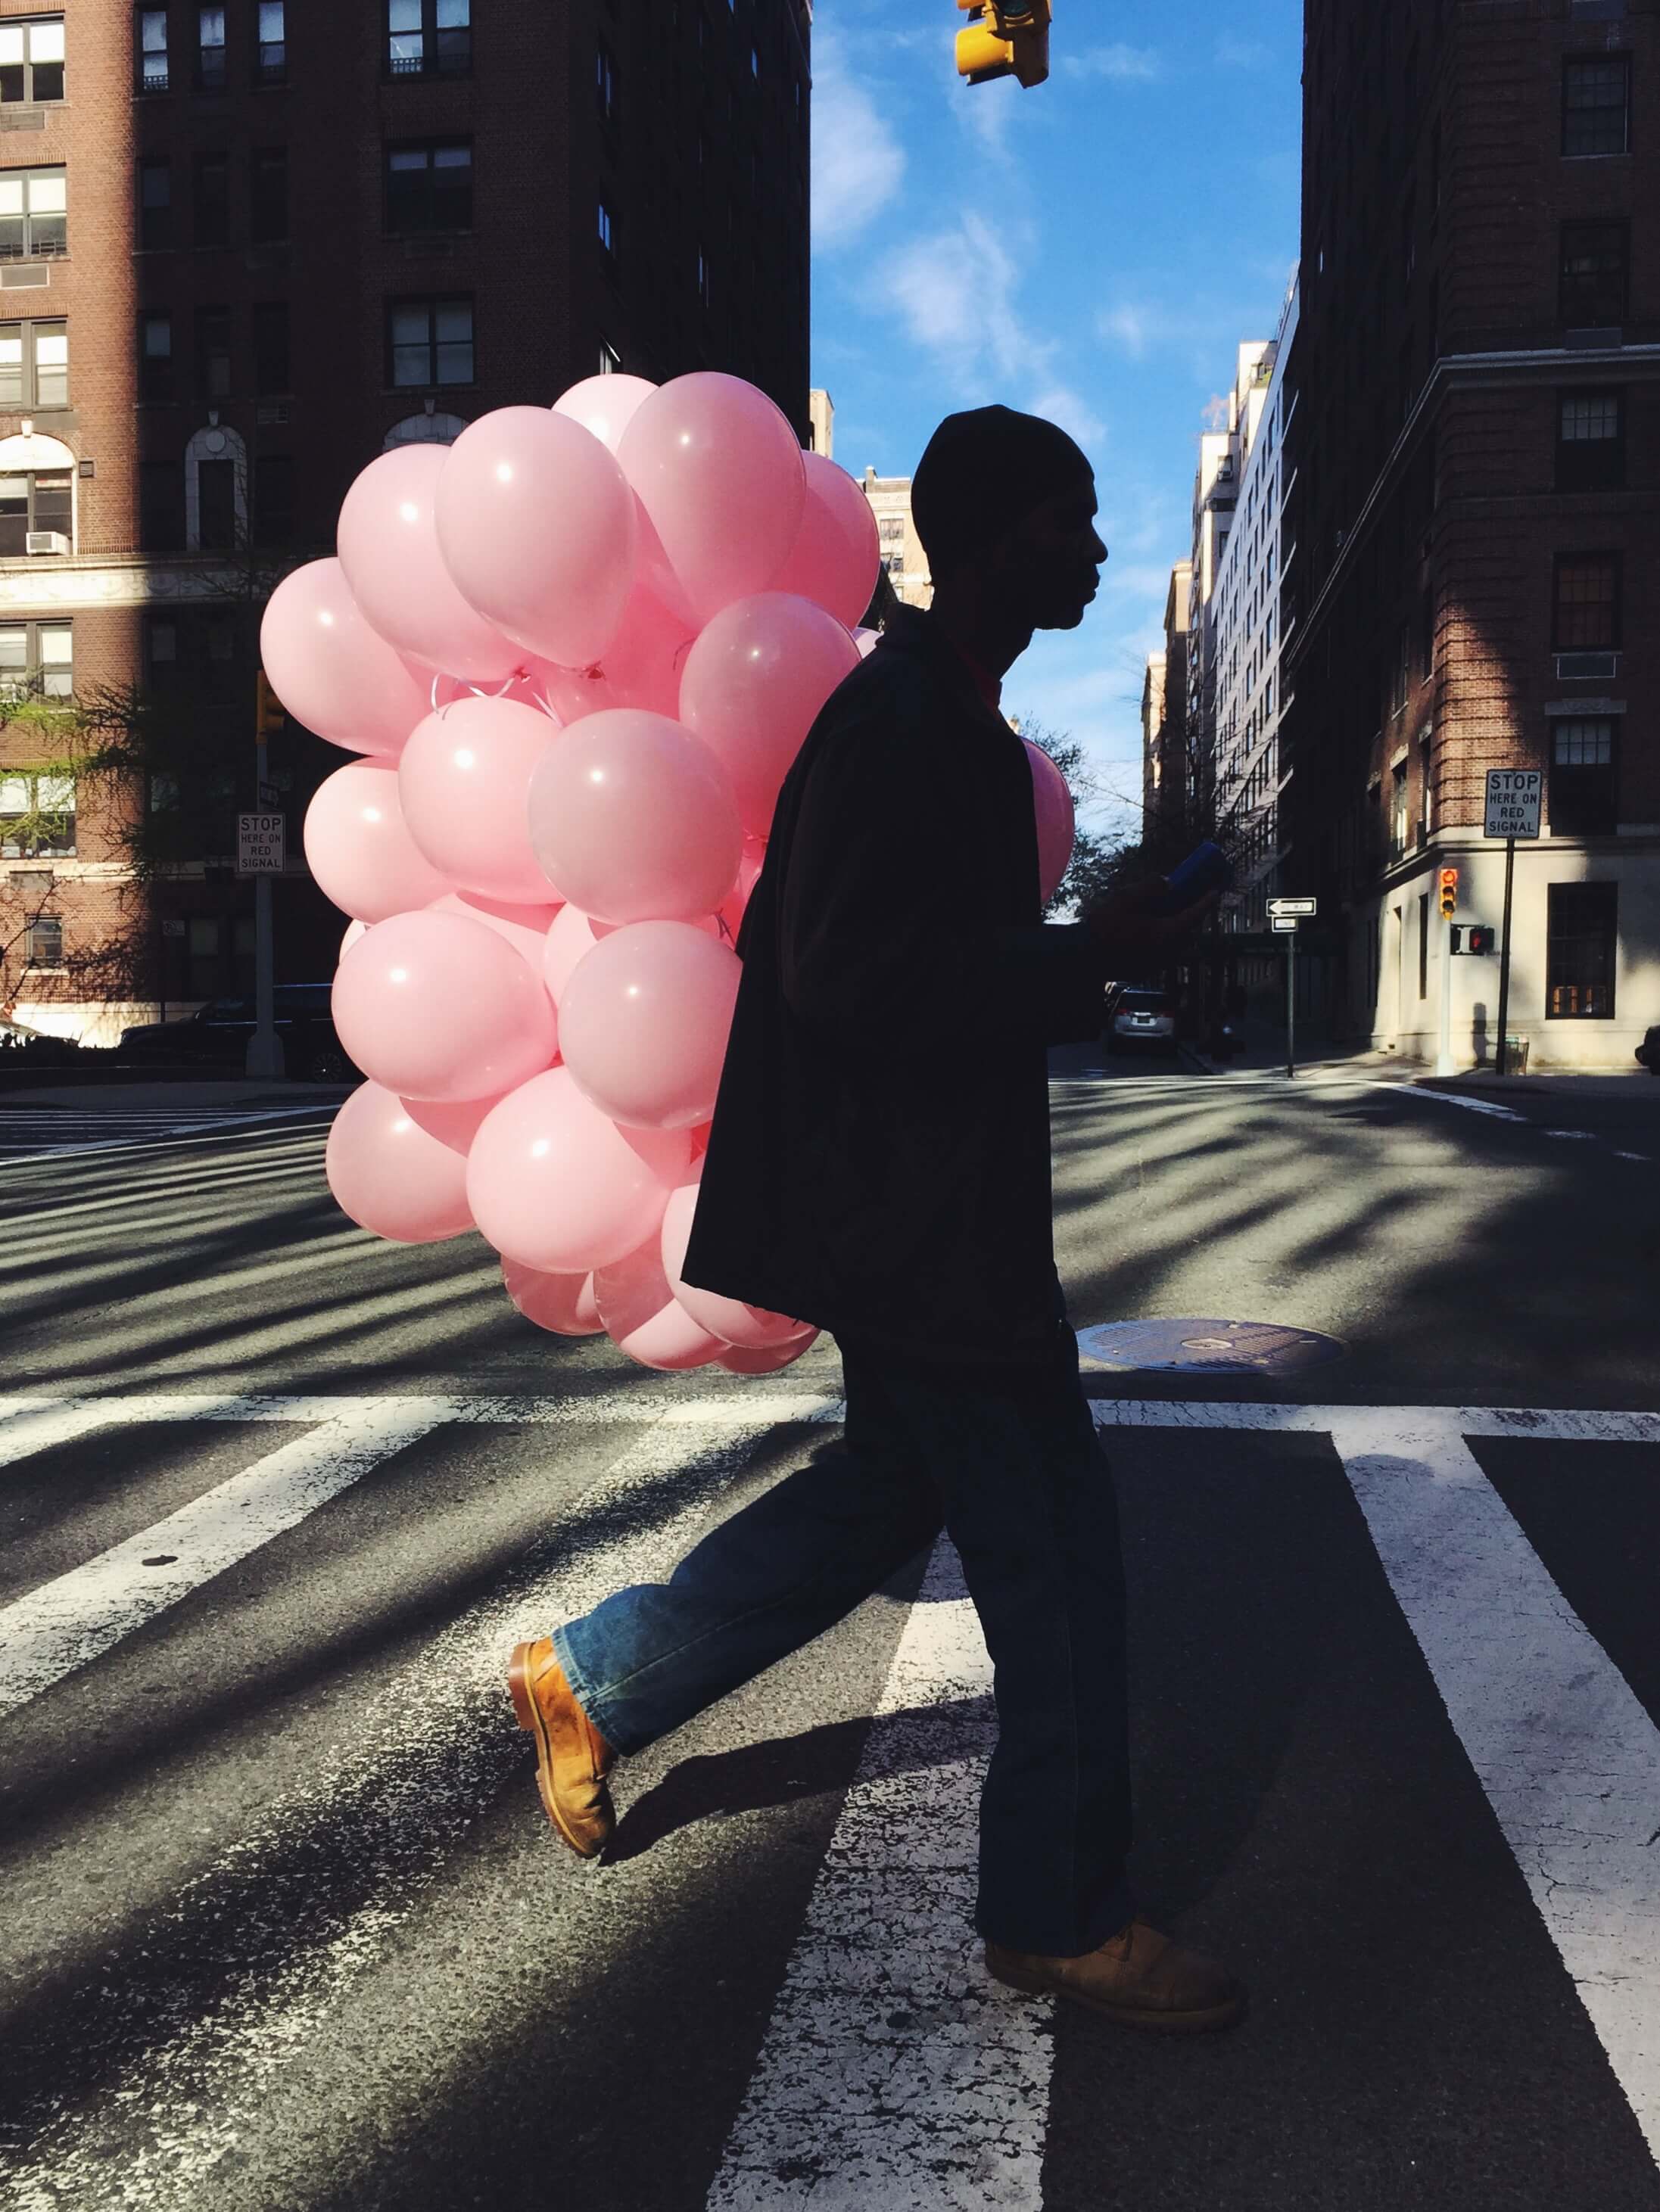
{"x": 217, "y": 1035}
{"x": 1140, "y": 1014}
{"x": 1648, "y": 1052}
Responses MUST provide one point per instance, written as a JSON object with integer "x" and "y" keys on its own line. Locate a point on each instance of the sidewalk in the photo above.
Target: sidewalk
{"x": 1320, "y": 1058}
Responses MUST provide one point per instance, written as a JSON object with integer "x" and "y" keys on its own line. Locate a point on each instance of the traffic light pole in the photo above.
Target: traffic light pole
{"x": 264, "y": 1060}
{"x": 1443, "y": 1043}
{"x": 1503, "y": 959}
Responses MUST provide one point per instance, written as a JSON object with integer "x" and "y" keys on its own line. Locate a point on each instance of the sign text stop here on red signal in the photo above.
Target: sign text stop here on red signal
{"x": 1514, "y": 802}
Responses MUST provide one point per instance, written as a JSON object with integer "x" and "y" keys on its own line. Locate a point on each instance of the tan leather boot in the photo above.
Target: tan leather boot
{"x": 572, "y": 1758}
{"x": 1140, "y": 1979}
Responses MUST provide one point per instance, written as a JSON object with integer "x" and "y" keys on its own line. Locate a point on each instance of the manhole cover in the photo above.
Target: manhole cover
{"x": 1257, "y": 1347}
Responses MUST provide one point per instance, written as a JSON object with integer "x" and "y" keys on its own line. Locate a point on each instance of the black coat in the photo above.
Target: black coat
{"x": 879, "y": 1157}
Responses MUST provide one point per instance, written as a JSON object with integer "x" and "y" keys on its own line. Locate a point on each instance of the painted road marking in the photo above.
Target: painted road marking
{"x": 149, "y": 1136}
{"x": 895, "y": 2071}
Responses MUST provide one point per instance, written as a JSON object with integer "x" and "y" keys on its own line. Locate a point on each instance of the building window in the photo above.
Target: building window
{"x": 429, "y": 187}
{"x": 1590, "y": 441}
{"x": 1595, "y": 275}
{"x": 34, "y": 366}
{"x": 43, "y": 941}
{"x": 611, "y": 362}
{"x": 1584, "y": 799}
{"x": 161, "y": 507}
{"x": 1398, "y": 812}
{"x": 269, "y": 182}
{"x": 213, "y": 376}
{"x": 37, "y": 659}
{"x": 1597, "y": 104}
{"x": 154, "y": 202}
{"x": 215, "y": 490}
{"x": 429, "y": 341}
{"x": 32, "y": 61}
{"x": 273, "y": 58}
{"x": 607, "y": 230}
{"x": 47, "y": 804}
{"x": 33, "y": 214}
{"x": 606, "y": 83}
{"x": 271, "y": 346}
{"x": 1586, "y": 614}
{"x": 1581, "y": 942}
{"x": 703, "y": 279}
{"x": 150, "y": 42}
{"x": 160, "y": 668}
{"x": 210, "y": 50}
{"x": 1423, "y": 944}
{"x": 210, "y": 199}
{"x": 155, "y": 355}
{"x": 428, "y": 38}
{"x": 215, "y": 495}
{"x": 39, "y": 505}
{"x": 274, "y": 499}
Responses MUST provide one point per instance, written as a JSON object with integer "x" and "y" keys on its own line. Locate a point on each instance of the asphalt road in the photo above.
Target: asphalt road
{"x": 281, "y": 1925}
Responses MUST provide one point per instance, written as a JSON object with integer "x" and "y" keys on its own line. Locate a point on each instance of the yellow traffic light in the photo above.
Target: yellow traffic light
{"x": 269, "y": 713}
{"x": 1004, "y": 38}
{"x": 1449, "y": 893}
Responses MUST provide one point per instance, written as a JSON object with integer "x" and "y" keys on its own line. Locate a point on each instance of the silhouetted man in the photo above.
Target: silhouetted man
{"x": 879, "y": 1164}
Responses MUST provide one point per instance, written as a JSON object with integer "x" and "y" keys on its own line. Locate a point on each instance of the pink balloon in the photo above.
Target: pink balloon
{"x": 331, "y": 670}
{"x": 634, "y": 819}
{"x": 1051, "y": 798}
{"x": 643, "y": 1318}
{"x": 554, "y": 1185}
{"x": 536, "y": 523}
{"x": 433, "y": 1006}
{"x": 359, "y": 848}
{"x": 353, "y": 931}
{"x": 400, "y": 1170}
{"x": 464, "y": 781}
{"x": 720, "y": 475}
{"x": 388, "y": 545}
{"x": 572, "y": 935}
{"x": 866, "y": 641}
{"x": 564, "y": 1304}
{"x": 640, "y": 667}
{"x": 643, "y": 1023}
{"x": 768, "y": 1361}
{"x": 524, "y": 927}
{"x": 836, "y": 556}
{"x": 751, "y": 1327}
{"x": 757, "y": 677}
{"x": 604, "y": 404}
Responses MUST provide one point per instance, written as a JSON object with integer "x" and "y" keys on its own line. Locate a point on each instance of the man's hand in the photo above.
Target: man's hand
{"x": 1131, "y": 933}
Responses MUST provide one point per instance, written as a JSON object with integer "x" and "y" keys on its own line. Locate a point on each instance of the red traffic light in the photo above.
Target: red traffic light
{"x": 1449, "y": 893}
{"x": 1482, "y": 939}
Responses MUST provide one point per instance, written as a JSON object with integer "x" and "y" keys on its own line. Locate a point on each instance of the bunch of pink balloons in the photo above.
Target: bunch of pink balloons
{"x": 574, "y": 655}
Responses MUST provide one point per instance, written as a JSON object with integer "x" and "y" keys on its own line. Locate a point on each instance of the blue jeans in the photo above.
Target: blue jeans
{"x": 1017, "y": 1477}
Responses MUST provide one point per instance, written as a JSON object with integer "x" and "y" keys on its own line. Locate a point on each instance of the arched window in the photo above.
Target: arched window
{"x": 215, "y": 491}
{"x": 37, "y": 496}
{"x": 424, "y": 430}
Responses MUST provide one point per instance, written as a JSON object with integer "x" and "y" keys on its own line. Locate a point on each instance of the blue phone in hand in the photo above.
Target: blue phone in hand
{"x": 1206, "y": 869}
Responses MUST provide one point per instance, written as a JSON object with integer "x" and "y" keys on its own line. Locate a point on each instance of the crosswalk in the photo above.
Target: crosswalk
{"x": 54, "y": 1132}
{"x": 214, "y": 2035}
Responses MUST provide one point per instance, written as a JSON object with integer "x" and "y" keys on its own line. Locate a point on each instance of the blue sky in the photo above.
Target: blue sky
{"x": 1093, "y": 250}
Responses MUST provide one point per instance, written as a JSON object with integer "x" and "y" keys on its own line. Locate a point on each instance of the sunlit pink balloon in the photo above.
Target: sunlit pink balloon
{"x": 718, "y": 473}
{"x": 837, "y": 555}
{"x": 331, "y": 670}
{"x": 756, "y": 678}
{"x": 359, "y": 848}
{"x": 643, "y": 1318}
{"x": 643, "y": 1023}
{"x": 866, "y": 641}
{"x": 563, "y": 1304}
{"x": 604, "y": 404}
{"x": 769, "y": 1361}
{"x": 388, "y": 545}
{"x": 640, "y": 667}
{"x": 634, "y": 819}
{"x": 751, "y": 1327}
{"x": 353, "y": 931}
{"x": 554, "y": 1184}
{"x": 572, "y": 935}
{"x": 524, "y": 927}
{"x": 433, "y": 1006}
{"x": 536, "y": 523}
{"x": 1052, "y": 799}
{"x": 463, "y": 781}
{"x": 400, "y": 1170}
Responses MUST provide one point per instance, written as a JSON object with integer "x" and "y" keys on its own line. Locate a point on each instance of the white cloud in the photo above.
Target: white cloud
{"x": 954, "y": 290}
{"x": 1126, "y": 327}
{"x": 858, "y": 164}
{"x": 1119, "y": 63}
{"x": 1058, "y": 402}
{"x": 1241, "y": 53}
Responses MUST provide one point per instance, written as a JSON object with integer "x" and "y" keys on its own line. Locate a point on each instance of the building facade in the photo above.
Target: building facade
{"x": 904, "y": 564}
{"x": 1476, "y": 576}
{"x": 243, "y": 249}
{"x": 1167, "y": 800}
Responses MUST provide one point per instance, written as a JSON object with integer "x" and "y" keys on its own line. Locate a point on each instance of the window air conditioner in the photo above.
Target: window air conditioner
{"x": 45, "y": 541}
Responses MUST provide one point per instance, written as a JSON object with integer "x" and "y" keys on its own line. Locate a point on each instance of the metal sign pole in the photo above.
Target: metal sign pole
{"x": 1291, "y": 1002}
{"x": 1503, "y": 959}
{"x": 265, "y": 1054}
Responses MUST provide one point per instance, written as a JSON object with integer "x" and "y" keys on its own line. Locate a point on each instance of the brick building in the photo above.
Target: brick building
{"x": 1473, "y": 571}
{"x": 242, "y": 249}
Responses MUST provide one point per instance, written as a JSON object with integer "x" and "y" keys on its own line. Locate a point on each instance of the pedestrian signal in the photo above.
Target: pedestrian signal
{"x": 1449, "y": 893}
{"x": 1004, "y": 38}
{"x": 1482, "y": 940}
{"x": 268, "y": 713}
